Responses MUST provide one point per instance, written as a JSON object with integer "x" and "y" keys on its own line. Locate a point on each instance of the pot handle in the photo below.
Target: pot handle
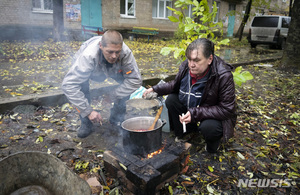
{"x": 164, "y": 121}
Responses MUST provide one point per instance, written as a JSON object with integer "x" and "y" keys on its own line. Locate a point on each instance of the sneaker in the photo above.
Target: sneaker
{"x": 85, "y": 128}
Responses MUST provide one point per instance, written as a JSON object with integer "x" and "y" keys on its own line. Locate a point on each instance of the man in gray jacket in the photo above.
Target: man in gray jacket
{"x": 99, "y": 58}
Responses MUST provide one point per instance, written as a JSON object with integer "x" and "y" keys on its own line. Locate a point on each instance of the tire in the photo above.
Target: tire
{"x": 253, "y": 45}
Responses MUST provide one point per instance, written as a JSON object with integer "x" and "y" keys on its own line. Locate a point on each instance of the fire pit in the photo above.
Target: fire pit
{"x": 146, "y": 175}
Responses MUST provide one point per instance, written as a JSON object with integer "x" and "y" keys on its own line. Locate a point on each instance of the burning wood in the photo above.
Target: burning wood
{"x": 157, "y": 151}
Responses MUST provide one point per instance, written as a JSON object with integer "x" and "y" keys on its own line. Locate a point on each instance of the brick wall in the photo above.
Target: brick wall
{"x": 19, "y": 12}
{"x": 143, "y": 17}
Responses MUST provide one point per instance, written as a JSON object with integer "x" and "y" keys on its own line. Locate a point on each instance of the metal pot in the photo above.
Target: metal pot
{"x": 137, "y": 139}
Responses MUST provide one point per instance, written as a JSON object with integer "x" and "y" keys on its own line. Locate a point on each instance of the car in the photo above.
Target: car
{"x": 269, "y": 29}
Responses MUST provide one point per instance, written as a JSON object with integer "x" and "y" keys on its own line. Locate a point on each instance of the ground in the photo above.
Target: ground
{"x": 265, "y": 145}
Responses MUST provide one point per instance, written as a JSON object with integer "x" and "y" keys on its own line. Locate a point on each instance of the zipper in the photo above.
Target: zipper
{"x": 190, "y": 88}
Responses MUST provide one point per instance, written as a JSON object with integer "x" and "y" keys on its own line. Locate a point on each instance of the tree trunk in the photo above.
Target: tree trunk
{"x": 290, "y": 8}
{"x": 291, "y": 54}
{"x": 58, "y": 20}
{"x": 245, "y": 19}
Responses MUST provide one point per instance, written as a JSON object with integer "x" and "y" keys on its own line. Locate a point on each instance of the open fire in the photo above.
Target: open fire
{"x": 157, "y": 151}
{"x": 146, "y": 175}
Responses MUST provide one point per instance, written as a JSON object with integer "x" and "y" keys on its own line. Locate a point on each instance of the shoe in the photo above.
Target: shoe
{"x": 177, "y": 139}
{"x": 205, "y": 148}
{"x": 85, "y": 128}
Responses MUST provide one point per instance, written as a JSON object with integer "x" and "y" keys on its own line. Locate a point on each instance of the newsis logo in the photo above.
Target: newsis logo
{"x": 265, "y": 183}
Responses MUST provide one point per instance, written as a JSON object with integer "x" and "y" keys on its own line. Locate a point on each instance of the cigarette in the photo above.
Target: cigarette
{"x": 183, "y": 124}
{"x": 101, "y": 123}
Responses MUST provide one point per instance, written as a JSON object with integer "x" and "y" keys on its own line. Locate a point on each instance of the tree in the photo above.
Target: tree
{"x": 251, "y": 3}
{"x": 204, "y": 28}
{"x": 245, "y": 19}
{"x": 291, "y": 54}
{"x": 58, "y": 20}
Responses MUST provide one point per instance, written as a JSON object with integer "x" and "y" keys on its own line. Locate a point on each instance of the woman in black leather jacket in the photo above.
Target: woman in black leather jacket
{"x": 202, "y": 95}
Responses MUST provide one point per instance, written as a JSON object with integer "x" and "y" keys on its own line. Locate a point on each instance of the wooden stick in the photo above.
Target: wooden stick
{"x": 156, "y": 118}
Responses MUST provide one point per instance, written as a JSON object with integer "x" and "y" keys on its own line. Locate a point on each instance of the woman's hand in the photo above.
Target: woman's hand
{"x": 185, "y": 118}
{"x": 150, "y": 90}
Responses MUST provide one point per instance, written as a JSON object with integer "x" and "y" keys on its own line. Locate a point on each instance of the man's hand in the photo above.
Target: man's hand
{"x": 95, "y": 117}
{"x": 185, "y": 118}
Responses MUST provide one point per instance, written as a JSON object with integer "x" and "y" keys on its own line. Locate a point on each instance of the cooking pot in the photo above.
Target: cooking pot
{"x": 137, "y": 139}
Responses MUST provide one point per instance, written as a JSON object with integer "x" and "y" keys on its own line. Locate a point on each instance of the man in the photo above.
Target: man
{"x": 202, "y": 95}
{"x": 99, "y": 58}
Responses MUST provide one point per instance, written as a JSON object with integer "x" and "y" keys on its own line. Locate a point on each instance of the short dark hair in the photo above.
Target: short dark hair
{"x": 207, "y": 47}
{"x": 111, "y": 37}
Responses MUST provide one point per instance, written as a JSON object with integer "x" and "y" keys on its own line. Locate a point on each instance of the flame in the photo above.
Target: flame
{"x": 157, "y": 151}
{"x": 154, "y": 153}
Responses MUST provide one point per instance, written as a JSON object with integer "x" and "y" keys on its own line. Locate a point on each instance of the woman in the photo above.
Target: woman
{"x": 202, "y": 95}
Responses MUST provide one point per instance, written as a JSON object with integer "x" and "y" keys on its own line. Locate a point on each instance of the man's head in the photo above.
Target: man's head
{"x": 200, "y": 55}
{"x": 111, "y": 45}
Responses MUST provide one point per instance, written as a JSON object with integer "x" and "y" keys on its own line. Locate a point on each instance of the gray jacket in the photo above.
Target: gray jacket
{"x": 89, "y": 63}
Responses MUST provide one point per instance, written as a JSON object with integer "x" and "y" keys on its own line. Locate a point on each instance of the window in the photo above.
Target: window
{"x": 160, "y": 10}
{"x": 127, "y": 8}
{"x": 42, "y": 6}
{"x": 216, "y": 19}
{"x": 286, "y": 22}
{"x": 265, "y": 21}
{"x": 189, "y": 12}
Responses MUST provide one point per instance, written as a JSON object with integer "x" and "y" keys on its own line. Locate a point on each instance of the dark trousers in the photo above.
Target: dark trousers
{"x": 211, "y": 129}
{"x": 117, "y": 112}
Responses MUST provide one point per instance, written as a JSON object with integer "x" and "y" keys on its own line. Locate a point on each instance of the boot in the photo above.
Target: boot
{"x": 85, "y": 127}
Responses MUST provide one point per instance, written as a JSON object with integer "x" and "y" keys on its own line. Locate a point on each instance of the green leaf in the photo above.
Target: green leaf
{"x": 188, "y": 27}
{"x": 211, "y": 169}
{"x": 247, "y": 75}
{"x": 224, "y": 42}
{"x": 173, "y": 19}
{"x": 166, "y": 51}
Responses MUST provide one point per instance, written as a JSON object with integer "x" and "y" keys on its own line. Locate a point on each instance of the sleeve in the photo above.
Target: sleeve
{"x": 78, "y": 74}
{"x": 225, "y": 108}
{"x": 132, "y": 77}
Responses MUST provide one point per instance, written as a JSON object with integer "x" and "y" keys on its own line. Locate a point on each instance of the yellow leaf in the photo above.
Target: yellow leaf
{"x": 210, "y": 169}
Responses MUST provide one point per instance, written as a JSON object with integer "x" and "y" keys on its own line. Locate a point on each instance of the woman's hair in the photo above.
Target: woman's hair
{"x": 206, "y": 46}
{"x": 111, "y": 37}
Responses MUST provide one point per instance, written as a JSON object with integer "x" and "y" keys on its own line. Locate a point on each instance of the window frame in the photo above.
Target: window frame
{"x": 42, "y": 8}
{"x": 126, "y": 10}
{"x": 216, "y": 19}
{"x": 190, "y": 11}
{"x": 165, "y": 9}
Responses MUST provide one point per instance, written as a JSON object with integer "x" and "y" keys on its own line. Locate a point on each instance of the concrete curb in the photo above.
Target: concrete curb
{"x": 54, "y": 98}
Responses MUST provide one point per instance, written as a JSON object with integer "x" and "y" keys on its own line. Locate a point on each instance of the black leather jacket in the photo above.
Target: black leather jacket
{"x": 218, "y": 100}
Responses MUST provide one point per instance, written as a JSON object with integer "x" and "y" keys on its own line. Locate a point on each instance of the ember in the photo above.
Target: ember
{"x": 154, "y": 153}
{"x": 157, "y": 151}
